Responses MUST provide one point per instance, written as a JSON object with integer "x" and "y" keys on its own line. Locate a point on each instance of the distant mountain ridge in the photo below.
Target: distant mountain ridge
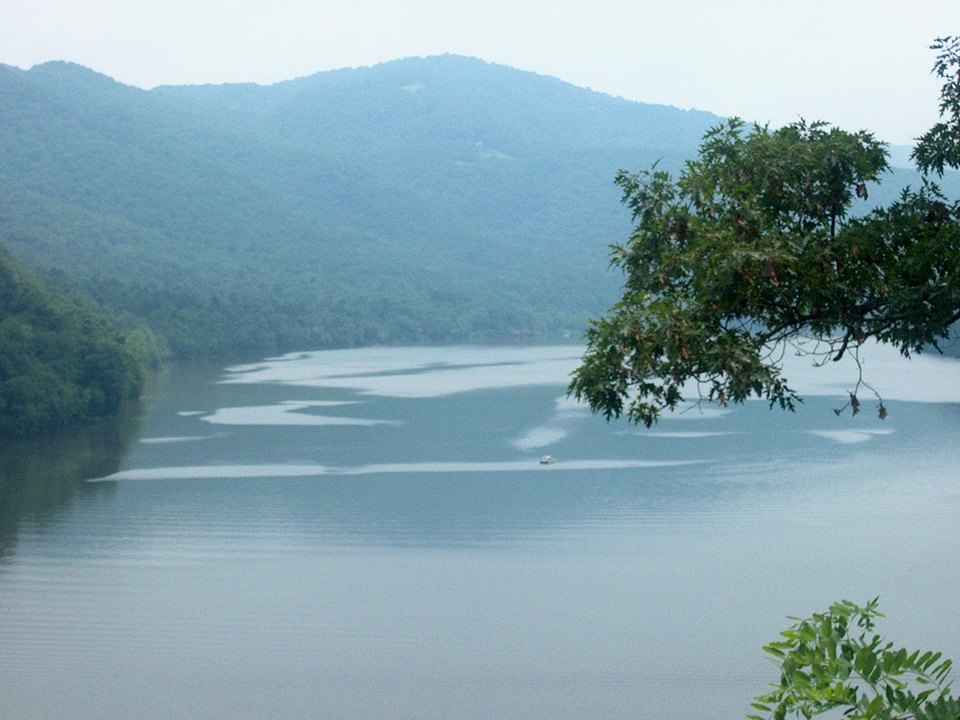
{"x": 432, "y": 199}
{"x": 466, "y": 97}
{"x": 428, "y": 199}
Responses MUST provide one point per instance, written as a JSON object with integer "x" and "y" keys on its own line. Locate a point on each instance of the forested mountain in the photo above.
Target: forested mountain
{"x": 60, "y": 363}
{"x": 422, "y": 200}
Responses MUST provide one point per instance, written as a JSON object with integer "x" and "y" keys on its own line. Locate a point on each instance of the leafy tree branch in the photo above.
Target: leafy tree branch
{"x": 836, "y": 661}
{"x": 755, "y": 246}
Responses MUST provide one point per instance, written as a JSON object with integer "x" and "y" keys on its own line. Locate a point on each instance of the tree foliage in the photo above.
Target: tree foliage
{"x": 61, "y": 363}
{"x": 755, "y": 249}
{"x": 939, "y": 147}
{"x": 836, "y": 661}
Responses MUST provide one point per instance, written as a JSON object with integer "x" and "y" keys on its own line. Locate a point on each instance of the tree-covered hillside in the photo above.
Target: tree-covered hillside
{"x": 60, "y": 363}
{"x": 418, "y": 201}
{"x": 424, "y": 200}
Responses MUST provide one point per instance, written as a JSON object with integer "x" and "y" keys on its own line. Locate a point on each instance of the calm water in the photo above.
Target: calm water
{"x": 369, "y": 534}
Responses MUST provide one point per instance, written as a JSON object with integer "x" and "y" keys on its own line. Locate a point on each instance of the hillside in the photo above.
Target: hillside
{"x": 422, "y": 200}
{"x": 60, "y": 363}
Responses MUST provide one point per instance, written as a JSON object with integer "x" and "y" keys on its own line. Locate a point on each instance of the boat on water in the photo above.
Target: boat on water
{"x": 547, "y": 460}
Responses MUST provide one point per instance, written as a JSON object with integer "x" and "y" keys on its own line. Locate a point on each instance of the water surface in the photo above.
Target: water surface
{"x": 370, "y": 534}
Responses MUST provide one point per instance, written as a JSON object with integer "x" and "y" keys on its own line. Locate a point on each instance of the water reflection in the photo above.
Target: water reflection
{"x": 39, "y": 478}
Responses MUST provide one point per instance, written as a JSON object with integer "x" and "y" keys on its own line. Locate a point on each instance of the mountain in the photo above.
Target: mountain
{"x": 429, "y": 199}
{"x": 433, "y": 199}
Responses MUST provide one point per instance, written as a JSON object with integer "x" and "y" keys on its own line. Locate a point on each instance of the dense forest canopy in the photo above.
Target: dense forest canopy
{"x": 61, "y": 363}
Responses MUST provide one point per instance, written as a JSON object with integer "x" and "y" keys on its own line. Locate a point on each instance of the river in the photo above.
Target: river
{"x": 371, "y": 534}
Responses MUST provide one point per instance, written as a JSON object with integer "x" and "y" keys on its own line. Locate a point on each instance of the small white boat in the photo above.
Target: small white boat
{"x": 547, "y": 460}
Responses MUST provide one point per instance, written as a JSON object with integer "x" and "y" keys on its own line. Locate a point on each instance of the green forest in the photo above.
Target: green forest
{"x": 423, "y": 201}
{"x": 60, "y": 362}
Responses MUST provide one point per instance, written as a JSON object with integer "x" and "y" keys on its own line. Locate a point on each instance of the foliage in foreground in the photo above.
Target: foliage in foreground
{"x": 836, "y": 661}
{"x": 754, "y": 251}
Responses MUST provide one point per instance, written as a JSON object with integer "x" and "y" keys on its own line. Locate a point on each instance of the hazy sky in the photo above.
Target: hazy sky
{"x": 858, "y": 64}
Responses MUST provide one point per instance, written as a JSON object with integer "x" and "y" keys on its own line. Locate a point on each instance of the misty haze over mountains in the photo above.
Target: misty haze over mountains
{"x": 431, "y": 199}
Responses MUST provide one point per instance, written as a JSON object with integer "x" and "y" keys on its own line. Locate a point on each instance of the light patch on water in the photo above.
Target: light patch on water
{"x": 928, "y": 378}
{"x": 191, "y": 413}
{"x": 921, "y": 378}
{"x": 571, "y": 406}
{"x": 540, "y": 437}
{"x": 680, "y": 435}
{"x": 416, "y": 372}
{"x": 849, "y": 437}
{"x": 565, "y": 410}
{"x": 208, "y": 472}
{"x": 425, "y": 372}
{"x": 285, "y": 413}
{"x": 172, "y": 440}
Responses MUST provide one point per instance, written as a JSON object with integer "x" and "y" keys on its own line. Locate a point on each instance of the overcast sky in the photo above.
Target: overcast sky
{"x": 858, "y": 64}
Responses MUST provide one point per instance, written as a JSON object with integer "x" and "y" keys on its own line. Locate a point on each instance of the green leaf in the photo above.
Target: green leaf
{"x": 819, "y": 654}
